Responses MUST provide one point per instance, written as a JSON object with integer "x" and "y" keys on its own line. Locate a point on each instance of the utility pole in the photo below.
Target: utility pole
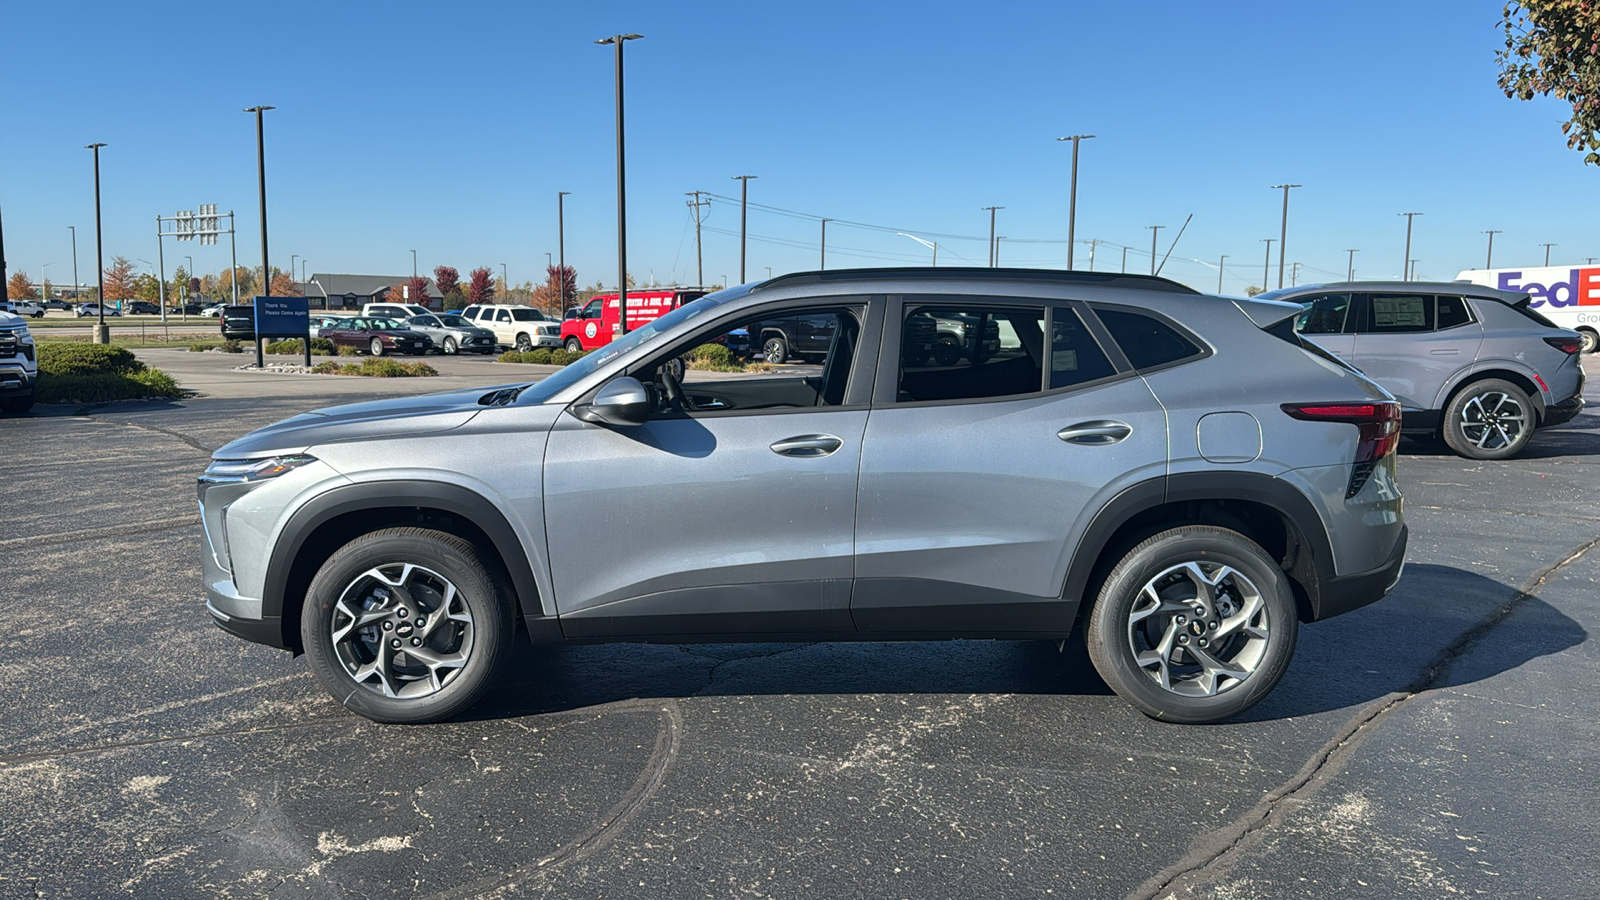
{"x": 998, "y": 238}
{"x": 77, "y": 287}
{"x": 1283, "y": 234}
{"x": 1294, "y": 279}
{"x": 101, "y": 334}
{"x": 266, "y": 271}
{"x": 1412, "y": 274}
{"x": 1124, "y": 260}
{"x": 622, "y": 203}
{"x": 5, "y": 290}
{"x": 1094, "y": 245}
{"x": 1154, "y": 231}
{"x": 1220, "y": 264}
{"x": 1488, "y": 262}
{"x": 1405, "y": 264}
{"x": 1266, "y": 268}
{"x": 1547, "y": 252}
{"x": 699, "y": 267}
{"x": 1351, "y": 274}
{"x": 744, "y": 206}
{"x": 1072, "y": 204}
{"x": 561, "y": 246}
{"x": 823, "y": 264}
{"x": 991, "y": 210}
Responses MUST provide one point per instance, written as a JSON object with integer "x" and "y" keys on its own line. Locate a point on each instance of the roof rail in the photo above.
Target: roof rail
{"x": 1048, "y": 276}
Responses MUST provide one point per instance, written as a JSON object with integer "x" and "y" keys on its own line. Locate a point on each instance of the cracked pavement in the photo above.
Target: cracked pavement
{"x": 1441, "y": 741}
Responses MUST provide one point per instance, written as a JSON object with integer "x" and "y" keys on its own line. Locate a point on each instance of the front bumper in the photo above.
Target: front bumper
{"x": 268, "y": 630}
{"x": 14, "y": 379}
{"x": 1339, "y": 594}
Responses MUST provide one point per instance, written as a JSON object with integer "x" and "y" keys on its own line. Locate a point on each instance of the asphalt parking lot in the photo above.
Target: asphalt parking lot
{"x": 1442, "y": 741}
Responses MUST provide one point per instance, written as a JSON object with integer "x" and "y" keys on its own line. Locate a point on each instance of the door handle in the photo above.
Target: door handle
{"x": 807, "y": 445}
{"x": 1100, "y": 431}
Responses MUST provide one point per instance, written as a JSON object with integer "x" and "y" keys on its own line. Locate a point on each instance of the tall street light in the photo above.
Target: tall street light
{"x": 1547, "y": 252}
{"x": 932, "y": 244}
{"x": 1351, "y": 274}
{"x": 1154, "y": 230}
{"x": 1283, "y": 233}
{"x": 622, "y": 203}
{"x": 822, "y": 264}
{"x": 744, "y": 205}
{"x": 4, "y": 288}
{"x": 77, "y": 289}
{"x": 1405, "y": 265}
{"x": 101, "y": 336}
{"x": 1220, "y": 263}
{"x": 294, "y": 259}
{"x": 991, "y": 210}
{"x": 1266, "y": 267}
{"x": 1072, "y": 202}
{"x": 1488, "y": 262}
{"x": 261, "y": 180}
{"x": 413, "y": 264}
{"x": 561, "y": 248}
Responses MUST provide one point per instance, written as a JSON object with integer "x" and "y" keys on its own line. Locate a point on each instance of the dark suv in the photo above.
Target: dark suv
{"x": 238, "y": 322}
{"x": 1180, "y": 477}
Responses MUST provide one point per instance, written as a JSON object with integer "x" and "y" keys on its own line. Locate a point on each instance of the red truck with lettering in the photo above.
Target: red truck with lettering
{"x": 597, "y": 323}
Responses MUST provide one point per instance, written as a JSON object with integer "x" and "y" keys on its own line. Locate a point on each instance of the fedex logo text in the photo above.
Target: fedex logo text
{"x": 1582, "y": 288}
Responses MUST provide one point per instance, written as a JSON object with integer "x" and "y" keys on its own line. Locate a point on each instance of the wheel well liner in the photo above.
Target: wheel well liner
{"x": 1270, "y": 512}
{"x": 329, "y": 521}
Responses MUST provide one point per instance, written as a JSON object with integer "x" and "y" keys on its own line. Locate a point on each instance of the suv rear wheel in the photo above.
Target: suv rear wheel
{"x": 406, "y": 625}
{"x": 1489, "y": 419}
{"x": 1194, "y": 625}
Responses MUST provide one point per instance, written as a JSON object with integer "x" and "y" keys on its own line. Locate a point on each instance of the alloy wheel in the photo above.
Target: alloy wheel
{"x": 401, "y": 630}
{"x": 1199, "y": 628}
{"x": 1493, "y": 420}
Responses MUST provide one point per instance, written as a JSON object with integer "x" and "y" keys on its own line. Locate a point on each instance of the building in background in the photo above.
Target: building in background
{"x": 332, "y": 291}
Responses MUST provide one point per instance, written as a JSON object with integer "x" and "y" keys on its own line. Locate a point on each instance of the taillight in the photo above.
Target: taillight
{"x": 1379, "y": 431}
{"x": 1567, "y": 345}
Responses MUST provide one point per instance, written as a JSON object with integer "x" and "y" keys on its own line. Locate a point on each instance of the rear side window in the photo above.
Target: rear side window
{"x": 1452, "y": 312}
{"x": 1524, "y": 306}
{"x": 1400, "y": 314}
{"x": 527, "y": 315}
{"x": 971, "y": 352}
{"x": 1146, "y": 341}
{"x": 1325, "y": 315}
{"x": 1074, "y": 356}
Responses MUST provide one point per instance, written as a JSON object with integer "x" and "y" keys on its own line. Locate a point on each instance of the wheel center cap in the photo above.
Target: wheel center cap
{"x": 404, "y": 630}
{"x": 1197, "y": 627}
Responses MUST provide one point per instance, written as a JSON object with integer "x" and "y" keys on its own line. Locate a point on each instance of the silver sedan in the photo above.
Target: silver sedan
{"x": 453, "y": 334}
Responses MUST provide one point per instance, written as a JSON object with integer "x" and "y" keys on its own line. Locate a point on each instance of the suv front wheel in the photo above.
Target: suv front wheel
{"x": 1194, "y": 625}
{"x": 406, "y": 625}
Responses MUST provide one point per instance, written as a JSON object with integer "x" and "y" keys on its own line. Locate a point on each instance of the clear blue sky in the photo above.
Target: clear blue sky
{"x": 449, "y": 128}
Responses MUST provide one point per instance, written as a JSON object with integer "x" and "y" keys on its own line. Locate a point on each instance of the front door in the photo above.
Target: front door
{"x": 731, "y": 511}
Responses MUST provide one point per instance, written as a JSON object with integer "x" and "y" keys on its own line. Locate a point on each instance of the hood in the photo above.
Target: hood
{"x": 7, "y": 320}
{"x": 406, "y": 416}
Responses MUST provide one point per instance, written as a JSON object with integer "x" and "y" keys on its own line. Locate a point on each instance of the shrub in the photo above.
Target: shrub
{"x": 711, "y": 354}
{"x": 379, "y": 367}
{"x": 562, "y": 356}
{"x": 349, "y": 351}
{"x": 540, "y": 357}
{"x": 224, "y": 346}
{"x": 294, "y": 347}
{"x": 85, "y": 359}
{"x": 105, "y": 386}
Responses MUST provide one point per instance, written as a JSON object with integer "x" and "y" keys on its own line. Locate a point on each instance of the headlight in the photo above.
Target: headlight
{"x": 234, "y": 471}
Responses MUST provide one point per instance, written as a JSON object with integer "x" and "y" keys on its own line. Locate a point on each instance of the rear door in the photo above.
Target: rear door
{"x": 1412, "y": 343}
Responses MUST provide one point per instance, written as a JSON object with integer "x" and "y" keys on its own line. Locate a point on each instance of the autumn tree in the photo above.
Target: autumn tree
{"x": 283, "y": 284}
{"x": 1553, "y": 47}
{"x": 20, "y": 287}
{"x": 119, "y": 279}
{"x": 447, "y": 279}
{"x": 551, "y": 295}
{"x": 481, "y": 288}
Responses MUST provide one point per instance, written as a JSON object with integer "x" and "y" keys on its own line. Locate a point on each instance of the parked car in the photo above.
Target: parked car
{"x": 57, "y": 304}
{"x": 19, "y": 367}
{"x": 213, "y": 310}
{"x": 1124, "y": 469}
{"x": 517, "y": 327}
{"x": 318, "y": 321}
{"x": 1472, "y": 365}
{"x": 26, "y": 308}
{"x": 238, "y": 323}
{"x": 397, "y": 311}
{"x": 185, "y": 309}
{"x": 93, "y": 309}
{"x": 453, "y": 334}
{"x": 377, "y": 336}
{"x": 141, "y": 308}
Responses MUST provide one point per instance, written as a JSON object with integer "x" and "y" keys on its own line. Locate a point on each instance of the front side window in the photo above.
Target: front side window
{"x": 970, "y": 352}
{"x": 503, "y": 315}
{"x": 822, "y": 380}
{"x": 1400, "y": 314}
{"x": 1146, "y": 340}
{"x": 1324, "y": 315}
{"x": 592, "y": 311}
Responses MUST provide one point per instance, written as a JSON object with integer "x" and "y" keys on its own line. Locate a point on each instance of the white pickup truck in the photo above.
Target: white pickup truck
{"x": 22, "y": 308}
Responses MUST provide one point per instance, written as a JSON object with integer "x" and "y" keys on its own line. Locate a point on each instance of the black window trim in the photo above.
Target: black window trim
{"x": 1206, "y": 350}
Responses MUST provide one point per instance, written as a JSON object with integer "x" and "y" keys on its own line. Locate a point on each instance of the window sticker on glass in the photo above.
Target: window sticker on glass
{"x": 1399, "y": 312}
{"x": 1064, "y": 361}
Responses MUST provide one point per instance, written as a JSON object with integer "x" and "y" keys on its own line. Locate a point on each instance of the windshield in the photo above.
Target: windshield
{"x": 581, "y": 369}
{"x": 453, "y": 322}
{"x": 527, "y": 315}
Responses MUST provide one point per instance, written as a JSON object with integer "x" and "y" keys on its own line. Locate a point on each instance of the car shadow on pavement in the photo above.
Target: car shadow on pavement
{"x": 1416, "y": 638}
{"x": 1580, "y": 437}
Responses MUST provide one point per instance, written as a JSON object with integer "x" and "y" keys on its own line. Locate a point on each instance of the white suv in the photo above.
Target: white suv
{"x": 521, "y": 327}
{"x": 394, "y": 311}
{"x": 19, "y": 367}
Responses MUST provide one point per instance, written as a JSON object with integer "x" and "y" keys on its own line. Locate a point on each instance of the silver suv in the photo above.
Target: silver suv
{"x": 1177, "y": 477}
{"x": 1469, "y": 364}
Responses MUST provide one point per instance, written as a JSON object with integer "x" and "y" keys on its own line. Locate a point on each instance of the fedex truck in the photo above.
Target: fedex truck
{"x": 1569, "y": 296}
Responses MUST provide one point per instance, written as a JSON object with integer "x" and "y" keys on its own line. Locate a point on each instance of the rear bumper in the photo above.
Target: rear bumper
{"x": 1563, "y": 412}
{"x": 1339, "y": 594}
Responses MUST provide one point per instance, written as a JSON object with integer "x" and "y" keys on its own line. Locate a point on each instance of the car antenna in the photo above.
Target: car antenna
{"x": 1173, "y": 245}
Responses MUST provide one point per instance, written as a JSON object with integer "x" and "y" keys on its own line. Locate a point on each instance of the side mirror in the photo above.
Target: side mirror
{"x": 623, "y": 401}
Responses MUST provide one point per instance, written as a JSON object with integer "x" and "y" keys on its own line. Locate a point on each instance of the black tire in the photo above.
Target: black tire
{"x": 482, "y": 644}
{"x": 524, "y": 343}
{"x": 1256, "y": 595}
{"x": 774, "y": 350}
{"x": 1488, "y": 419}
{"x": 376, "y": 347}
{"x": 1591, "y": 340}
{"x": 574, "y": 345}
{"x": 16, "y": 406}
{"x": 946, "y": 352}
{"x": 450, "y": 348}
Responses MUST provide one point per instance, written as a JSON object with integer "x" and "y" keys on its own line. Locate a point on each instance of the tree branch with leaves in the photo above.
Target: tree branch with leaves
{"x": 1553, "y": 48}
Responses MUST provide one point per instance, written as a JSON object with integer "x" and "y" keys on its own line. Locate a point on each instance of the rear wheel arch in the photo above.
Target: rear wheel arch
{"x": 330, "y": 521}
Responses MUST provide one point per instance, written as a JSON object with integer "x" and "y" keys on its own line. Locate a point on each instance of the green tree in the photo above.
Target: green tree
{"x": 147, "y": 287}
{"x": 1553, "y": 47}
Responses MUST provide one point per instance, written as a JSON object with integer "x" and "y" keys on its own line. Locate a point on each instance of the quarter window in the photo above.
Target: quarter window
{"x": 1452, "y": 312}
{"x": 1075, "y": 357}
{"x": 970, "y": 352}
{"x": 1146, "y": 341}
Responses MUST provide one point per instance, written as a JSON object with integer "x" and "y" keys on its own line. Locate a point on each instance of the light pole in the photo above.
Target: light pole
{"x": 293, "y": 257}
{"x": 1220, "y": 263}
{"x": 991, "y": 210}
{"x": 1547, "y": 252}
{"x": 261, "y": 179}
{"x": 823, "y": 263}
{"x": 744, "y": 203}
{"x": 77, "y": 289}
{"x": 413, "y": 264}
{"x": 1405, "y": 264}
{"x": 1154, "y": 230}
{"x": 505, "y": 280}
{"x": 1488, "y": 262}
{"x": 44, "y": 278}
{"x": 1266, "y": 268}
{"x": 1283, "y": 233}
{"x": 1072, "y": 202}
{"x": 934, "y": 245}
{"x": 561, "y": 246}
{"x": 622, "y": 203}
{"x": 1351, "y": 274}
{"x": 190, "y": 274}
{"x": 101, "y": 335}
